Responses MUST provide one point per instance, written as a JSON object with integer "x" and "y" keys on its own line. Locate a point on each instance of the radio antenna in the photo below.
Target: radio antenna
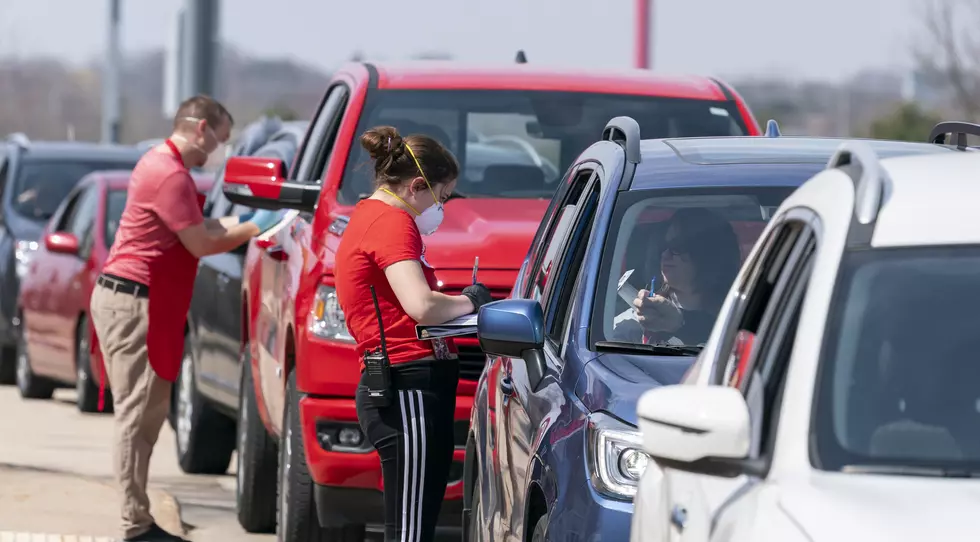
{"x": 381, "y": 325}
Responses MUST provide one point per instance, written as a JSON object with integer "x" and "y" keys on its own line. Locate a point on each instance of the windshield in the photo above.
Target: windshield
{"x": 684, "y": 245}
{"x": 114, "y": 205}
{"x": 516, "y": 144}
{"x": 41, "y": 186}
{"x": 901, "y": 388}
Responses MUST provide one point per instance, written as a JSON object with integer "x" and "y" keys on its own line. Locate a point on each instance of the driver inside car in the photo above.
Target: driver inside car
{"x": 697, "y": 266}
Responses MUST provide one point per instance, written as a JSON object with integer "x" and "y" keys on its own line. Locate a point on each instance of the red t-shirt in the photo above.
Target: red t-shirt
{"x": 161, "y": 200}
{"x": 379, "y": 235}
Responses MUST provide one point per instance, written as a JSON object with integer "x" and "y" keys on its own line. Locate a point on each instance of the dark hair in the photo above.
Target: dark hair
{"x": 712, "y": 247}
{"x": 393, "y": 164}
{"x": 203, "y": 107}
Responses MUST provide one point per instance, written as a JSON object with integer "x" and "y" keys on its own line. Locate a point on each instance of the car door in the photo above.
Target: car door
{"x": 69, "y": 276}
{"x": 284, "y": 257}
{"x": 528, "y": 407}
{"x": 700, "y": 507}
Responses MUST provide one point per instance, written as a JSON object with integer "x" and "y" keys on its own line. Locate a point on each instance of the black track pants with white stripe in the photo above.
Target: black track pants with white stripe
{"x": 414, "y": 437}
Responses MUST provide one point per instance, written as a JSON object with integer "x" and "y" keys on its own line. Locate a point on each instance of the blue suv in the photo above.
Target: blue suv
{"x": 553, "y": 451}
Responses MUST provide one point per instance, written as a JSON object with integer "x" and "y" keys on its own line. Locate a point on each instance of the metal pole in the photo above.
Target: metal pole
{"x": 200, "y": 59}
{"x": 110, "y": 78}
{"x": 642, "y": 25}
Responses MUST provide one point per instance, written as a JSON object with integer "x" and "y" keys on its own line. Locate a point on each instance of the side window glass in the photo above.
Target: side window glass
{"x": 83, "y": 220}
{"x": 314, "y": 159}
{"x": 556, "y": 314}
{"x": 549, "y": 238}
{"x": 68, "y": 211}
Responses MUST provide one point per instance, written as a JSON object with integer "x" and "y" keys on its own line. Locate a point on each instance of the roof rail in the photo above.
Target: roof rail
{"x": 19, "y": 138}
{"x": 956, "y": 130}
{"x": 521, "y": 57}
{"x": 772, "y": 128}
{"x": 626, "y": 132}
{"x": 870, "y": 186}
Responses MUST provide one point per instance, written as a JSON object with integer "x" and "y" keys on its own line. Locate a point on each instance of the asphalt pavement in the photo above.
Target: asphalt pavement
{"x": 56, "y": 480}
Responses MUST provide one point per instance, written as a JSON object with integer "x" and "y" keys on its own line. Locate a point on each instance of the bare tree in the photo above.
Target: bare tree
{"x": 950, "y": 50}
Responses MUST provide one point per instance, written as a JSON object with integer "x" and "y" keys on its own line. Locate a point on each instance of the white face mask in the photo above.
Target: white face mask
{"x": 214, "y": 158}
{"x": 430, "y": 219}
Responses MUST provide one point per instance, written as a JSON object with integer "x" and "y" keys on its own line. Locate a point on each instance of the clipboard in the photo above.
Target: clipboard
{"x": 459, "y": 327}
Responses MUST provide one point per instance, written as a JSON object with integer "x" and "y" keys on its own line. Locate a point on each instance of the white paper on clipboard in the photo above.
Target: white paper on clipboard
{"x": 625, "y": 289}
{"x": 286, "y": 219}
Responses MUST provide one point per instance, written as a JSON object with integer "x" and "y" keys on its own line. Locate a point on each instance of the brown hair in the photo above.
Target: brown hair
{"x": 393, "y": 164}
{"x": 203, "y": 107}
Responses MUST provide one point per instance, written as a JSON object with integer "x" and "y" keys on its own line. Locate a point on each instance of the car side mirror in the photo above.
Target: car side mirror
{"x": 61, "y": 243}
{"x": 514, "y": 328}
{"x": 261, "y": 183}
{"x": 699, "y": 429}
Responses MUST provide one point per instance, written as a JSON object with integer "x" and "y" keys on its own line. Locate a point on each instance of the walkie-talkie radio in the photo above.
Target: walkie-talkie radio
{"x": 377, "y": 368}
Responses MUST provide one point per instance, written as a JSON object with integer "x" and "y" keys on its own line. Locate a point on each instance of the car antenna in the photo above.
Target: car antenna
{"x": 772, "y": 128}
{"x": 521, "y": 57}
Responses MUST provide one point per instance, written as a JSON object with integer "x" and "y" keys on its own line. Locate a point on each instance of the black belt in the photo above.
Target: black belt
{"x": 123, "y": 286}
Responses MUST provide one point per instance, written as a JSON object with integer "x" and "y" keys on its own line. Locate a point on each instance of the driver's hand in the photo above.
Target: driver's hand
{"x": 657, "y": 313}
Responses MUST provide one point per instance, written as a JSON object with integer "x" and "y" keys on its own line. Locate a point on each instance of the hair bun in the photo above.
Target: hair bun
{"x": 382, "y": 143}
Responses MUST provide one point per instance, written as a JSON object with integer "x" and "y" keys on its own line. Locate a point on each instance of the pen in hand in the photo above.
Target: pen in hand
{"x": 476, "y": 265}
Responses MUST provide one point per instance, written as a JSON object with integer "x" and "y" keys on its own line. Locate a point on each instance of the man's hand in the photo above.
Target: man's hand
{"x": 264, "y": 219}
{"x": 657, "y": 313}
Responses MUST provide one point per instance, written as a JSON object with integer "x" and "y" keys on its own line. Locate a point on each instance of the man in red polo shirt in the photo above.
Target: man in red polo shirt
{"x": 139, "y": 307}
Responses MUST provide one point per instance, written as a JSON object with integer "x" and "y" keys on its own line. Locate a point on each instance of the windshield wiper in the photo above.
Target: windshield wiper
{"x": 657, "y": 349}
{"x": 909, "y": 470}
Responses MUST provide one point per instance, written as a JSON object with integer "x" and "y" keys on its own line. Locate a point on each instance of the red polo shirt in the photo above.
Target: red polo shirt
{"x": 377, "y": 236}
{"x": 162, "y": 200}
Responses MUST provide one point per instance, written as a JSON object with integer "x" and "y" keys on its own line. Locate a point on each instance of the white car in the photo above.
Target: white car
{"x": 838, "y": 397}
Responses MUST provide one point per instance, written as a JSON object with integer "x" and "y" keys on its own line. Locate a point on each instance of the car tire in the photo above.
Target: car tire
{"x": 540, "y": 533}
{"x": 29, "y": 384}
{"x": 296, "y": 507}
{"x": 86, "y": 389}
{"x": 474, "y": 534}
{"x": 205, "y": 437}
{"x": 8, "y": 366}
{"x": 255, "y": 481}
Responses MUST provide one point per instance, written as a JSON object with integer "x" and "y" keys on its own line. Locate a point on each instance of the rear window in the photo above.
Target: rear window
{"x": 114, "y": 205}
{"x": 40, "y": 186}
{"x": 517, "y": 144}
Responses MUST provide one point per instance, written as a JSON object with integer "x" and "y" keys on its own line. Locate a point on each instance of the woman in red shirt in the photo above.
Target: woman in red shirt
{"x": 382, "y": 247}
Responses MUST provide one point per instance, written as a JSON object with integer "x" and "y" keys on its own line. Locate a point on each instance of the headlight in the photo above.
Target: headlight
{"x": 616, "y": 460}
{"x": 23, "y": 251}
{"x": 326, "y": 319}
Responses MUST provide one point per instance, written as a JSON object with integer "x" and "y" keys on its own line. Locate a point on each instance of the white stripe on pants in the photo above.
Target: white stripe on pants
{"x": 413, "y": 427}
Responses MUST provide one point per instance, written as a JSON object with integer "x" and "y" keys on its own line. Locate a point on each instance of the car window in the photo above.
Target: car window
{"x": 516, "y": 144}
{"x": 311, "y": 167}
{"x": 898, "y": 378}
{"x": 686, "y": 246}
{"x": 83, "y": 218}
{"x": 114, "y": 205}
{"x": 41, "y": 185}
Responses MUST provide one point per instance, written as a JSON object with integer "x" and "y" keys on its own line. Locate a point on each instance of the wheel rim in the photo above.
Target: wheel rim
{"x": 23, "y": 367}
{"x": 287, "y": 459}
{"x": 242, "y": 424}
{"x": 185, "y": 408}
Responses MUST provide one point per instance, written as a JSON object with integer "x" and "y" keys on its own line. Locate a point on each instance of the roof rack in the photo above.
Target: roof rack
{"x": 521, "y": 57}
{"x": 19, "y": 138}
{"x": 772, "y": 128}
{"x": 956, "y": 130}
{"x": 626, "y": 132}
{"x": 870, "y": 186}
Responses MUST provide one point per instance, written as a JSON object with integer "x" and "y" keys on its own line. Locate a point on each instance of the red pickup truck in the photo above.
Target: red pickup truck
{"x": 514, "y": 130}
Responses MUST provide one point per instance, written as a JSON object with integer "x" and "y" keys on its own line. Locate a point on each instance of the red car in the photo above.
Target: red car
{"x": 514, "y": 129}
{"x": 57, "y": 347}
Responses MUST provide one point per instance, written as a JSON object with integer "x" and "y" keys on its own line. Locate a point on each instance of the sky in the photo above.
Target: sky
{"x": 798, "y": 39}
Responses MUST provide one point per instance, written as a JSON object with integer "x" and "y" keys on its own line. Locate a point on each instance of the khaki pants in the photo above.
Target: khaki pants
{"x": 141, "y": 398}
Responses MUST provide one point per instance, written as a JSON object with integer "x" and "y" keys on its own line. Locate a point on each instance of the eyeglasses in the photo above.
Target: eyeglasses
{"x": 677, "y": 247}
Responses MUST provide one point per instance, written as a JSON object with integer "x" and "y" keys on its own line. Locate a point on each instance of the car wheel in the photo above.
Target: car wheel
{"x": 540, "y": 533}
{"x": 86, "y": 389}
{"x": 29, "y": 384}
{"x": 255, "y": 483}
{"x": 476, "y": 514}
{"x": 297, "y": 518}
{"x": 205, "y": 438}
{"x": 8, "y": 366}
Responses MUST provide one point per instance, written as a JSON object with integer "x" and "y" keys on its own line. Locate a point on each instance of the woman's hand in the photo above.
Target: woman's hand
{"x": 478, "y": 294}
{"x": 657, "y": 313}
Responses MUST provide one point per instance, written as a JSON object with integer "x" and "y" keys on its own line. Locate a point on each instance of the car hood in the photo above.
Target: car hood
{"x": 499, "y": 231}
{"x": 880, "y": 508}
{"x": 614, "y": 382}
